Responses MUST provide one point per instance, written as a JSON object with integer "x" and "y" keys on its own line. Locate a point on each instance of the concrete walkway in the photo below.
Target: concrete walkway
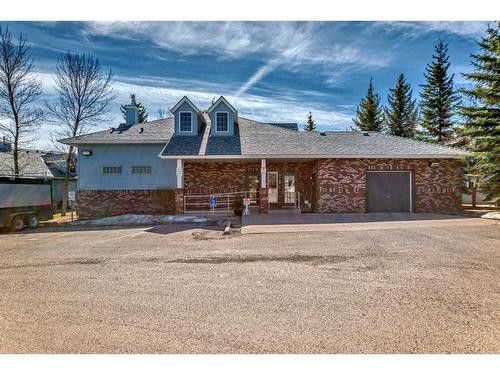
{"x": 292, "y": 222}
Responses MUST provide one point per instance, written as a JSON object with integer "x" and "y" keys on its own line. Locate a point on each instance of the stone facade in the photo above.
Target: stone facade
{"x": 98, "y": 203}
{"x": 341, "y": 183}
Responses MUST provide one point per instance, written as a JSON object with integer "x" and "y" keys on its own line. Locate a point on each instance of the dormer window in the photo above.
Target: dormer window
{"x": 185, "y": 122}
{"x": 222, "y": 121}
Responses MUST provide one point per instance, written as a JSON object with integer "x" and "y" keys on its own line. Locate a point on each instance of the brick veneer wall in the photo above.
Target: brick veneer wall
{"x": 341, "y": 183}
{"x": 207, "y": 178}
{"x": 98, "y": 203}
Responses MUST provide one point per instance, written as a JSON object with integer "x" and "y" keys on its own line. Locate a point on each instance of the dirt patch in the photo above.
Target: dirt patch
{"x": 215, "y": 234}
{"x": 307, "y": 259}
{"x": 55, "y": 263}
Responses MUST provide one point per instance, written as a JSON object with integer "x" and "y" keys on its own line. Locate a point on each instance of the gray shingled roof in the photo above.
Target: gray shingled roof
{"x": 253, "y": 138}
{"x": 285, "y": 125}
{"x": 31, "y": 164}
{"x": 157, "y": 131}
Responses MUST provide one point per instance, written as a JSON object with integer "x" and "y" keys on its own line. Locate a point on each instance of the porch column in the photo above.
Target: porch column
{"x": 263, "y": 203}
{"x": 179, "y": 171}
{"x": 179, "y": 191}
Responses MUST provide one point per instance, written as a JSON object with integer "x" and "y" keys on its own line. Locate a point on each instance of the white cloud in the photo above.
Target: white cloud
{"x": 462, "y": 28}
{"x": 295, "y": 46}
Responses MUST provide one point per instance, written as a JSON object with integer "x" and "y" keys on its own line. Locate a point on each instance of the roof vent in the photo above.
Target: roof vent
{"x": 322, "y": 133}
{"x": 140, "y": 131}
{"x": 366, "y": 134}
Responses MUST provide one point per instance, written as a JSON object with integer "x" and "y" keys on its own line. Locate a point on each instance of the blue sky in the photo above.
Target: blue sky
{"x": 274, "y": 71}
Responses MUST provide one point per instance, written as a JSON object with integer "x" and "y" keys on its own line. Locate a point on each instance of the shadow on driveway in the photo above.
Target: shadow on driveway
{"x": 312, "y": 218}
{"x": 156, "y": 229}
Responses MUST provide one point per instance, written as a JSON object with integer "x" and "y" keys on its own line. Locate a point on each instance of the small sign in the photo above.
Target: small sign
{"x": 213, "y": 201}
{"x": 71, "y": 195}
{"x": 178, "y": 171}
{"x": 246, "y": 202}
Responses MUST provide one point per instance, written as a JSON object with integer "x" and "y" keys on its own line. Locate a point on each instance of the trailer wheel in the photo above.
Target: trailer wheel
{"x": 33, "y": 221}
{"x": 17, "y": 224}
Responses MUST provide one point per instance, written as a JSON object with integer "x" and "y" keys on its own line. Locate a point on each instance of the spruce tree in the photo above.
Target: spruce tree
{"x": 310, "y": 125}
{"x": 482, "y": 114}
{"x": 400, "y": 116}
{"x": 369, "y": 113}
{"x": 143, "y": 114}
{"x": 438, "y": 99}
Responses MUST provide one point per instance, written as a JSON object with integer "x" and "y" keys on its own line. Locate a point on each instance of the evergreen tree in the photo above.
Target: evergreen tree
{"x": 369, "y": 113}
{"x": 482, "y": 115}
{"x": 400, "y": 116}
{"x": 310, "y": 125}
{"x": 438, "y": 100}
{"x": 143, "y": 114}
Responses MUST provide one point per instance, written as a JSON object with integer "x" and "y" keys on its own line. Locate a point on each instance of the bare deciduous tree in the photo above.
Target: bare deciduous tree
{"x": 162, "y": 113}
{"x": 84, "y": 95}
{"x": 19, "y": 91}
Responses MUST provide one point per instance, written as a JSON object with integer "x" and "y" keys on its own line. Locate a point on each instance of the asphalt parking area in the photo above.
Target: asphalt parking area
{"x": 178, "y": 289}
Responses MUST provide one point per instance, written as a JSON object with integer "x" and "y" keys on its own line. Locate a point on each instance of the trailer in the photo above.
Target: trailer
{"x": 24, "y": 202}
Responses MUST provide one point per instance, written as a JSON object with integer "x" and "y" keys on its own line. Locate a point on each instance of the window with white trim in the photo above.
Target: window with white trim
{"x": 185, "y": 122}
{"x": 222, "y": 121}
{"x": 141, "y": 169}
{"x": 111, "y": 169}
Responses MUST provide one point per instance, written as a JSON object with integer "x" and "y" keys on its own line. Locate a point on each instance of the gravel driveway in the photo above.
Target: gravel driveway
{"x": 174, "y": 289}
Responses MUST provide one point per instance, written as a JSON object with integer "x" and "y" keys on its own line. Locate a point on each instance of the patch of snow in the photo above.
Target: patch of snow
{"x": 134, "y": 219}
{"x": 491, "y": 215}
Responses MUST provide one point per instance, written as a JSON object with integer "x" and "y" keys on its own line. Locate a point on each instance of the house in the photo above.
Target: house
{"x": 38, "y": 165}
{"x": 157, "y": 167}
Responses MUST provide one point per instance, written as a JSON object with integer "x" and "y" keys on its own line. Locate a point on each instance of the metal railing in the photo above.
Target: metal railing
{"x": 200, "y": 203}
{"x": 292, "y": 197}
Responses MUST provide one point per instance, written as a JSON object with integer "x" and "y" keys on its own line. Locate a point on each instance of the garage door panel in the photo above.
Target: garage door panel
{"x": 388, "y": 191}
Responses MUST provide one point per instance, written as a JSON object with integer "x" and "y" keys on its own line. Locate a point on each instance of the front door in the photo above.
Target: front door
{"x": 289, "y": 189}
{"x": 272, "y": 187}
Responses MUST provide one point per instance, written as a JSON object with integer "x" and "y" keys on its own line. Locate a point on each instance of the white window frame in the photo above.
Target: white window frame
{"x": 216, "y": 125}
{"x": 180, "y": 129}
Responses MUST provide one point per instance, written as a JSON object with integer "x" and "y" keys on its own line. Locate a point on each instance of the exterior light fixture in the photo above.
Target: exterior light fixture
{"x": 433, "y": 164}
{"x": 87, "y": 153}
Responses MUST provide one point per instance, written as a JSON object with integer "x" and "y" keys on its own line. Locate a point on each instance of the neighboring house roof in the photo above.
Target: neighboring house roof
{"x": 285, "y": 125}
{"x": 31, "y": 164}
{"x": 56, "y": 162}
{"x": 157, "y": 131}
{"x": 271, "y": 140}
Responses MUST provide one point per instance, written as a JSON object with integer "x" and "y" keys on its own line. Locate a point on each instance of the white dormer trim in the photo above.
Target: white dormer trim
{"x": 179, "y": 122}
{"x": 185, "y": 99}
{"x": 228, "y": 127}
{"x": 222, "y": 99}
